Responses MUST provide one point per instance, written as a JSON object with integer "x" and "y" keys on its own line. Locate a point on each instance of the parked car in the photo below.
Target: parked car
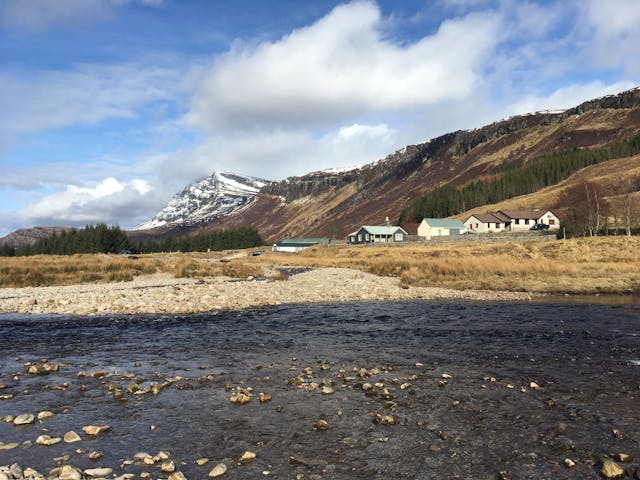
{"x": 540, "y": 226}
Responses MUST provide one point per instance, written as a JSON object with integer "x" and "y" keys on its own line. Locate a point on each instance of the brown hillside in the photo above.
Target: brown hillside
{"x": 340, "y": 210}
{"x": 334, "y": 204}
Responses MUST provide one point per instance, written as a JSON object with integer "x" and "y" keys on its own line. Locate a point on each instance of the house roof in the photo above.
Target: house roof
{"x": 301, "y": 241}
{"x": 488, "y": 218}
{"x": 530, "y": 214}
{"x": 380, "y": 230}
{"x": 444, "y": 223}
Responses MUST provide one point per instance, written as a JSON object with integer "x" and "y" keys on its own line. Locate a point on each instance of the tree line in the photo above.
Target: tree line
{"x": 512, "y": 180}
{"x": 103, "y": 239}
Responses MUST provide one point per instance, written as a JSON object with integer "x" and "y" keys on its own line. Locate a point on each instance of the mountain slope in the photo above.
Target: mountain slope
{"x": 218, "y": 195}
{"x": 335, "y": 203}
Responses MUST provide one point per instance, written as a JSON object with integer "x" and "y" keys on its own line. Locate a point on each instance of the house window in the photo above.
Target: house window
{"x": 398, "y": 237}
{"x": 476, "y": 225}
{"x": 552, "y": 221}
{"x": 360, "y": 237}
{"x": 497, "y": 225}
{"x": 517, "y": 221}
{"x": 368, "y": 237}
{"x": 526, "y": 221}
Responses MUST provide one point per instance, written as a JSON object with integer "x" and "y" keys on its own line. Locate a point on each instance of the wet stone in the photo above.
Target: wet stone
{"x": 611, "y": 469}
{"x": 71, "y": 437}
{"x": 98, "y": 472}
{"x": 218, "y": 470}
{"x": 24, "y": 419}
{"x": 46, "y": 440}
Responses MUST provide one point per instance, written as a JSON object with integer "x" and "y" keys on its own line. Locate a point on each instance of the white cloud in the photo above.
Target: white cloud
{"x": 616, "y": 36}
{"x": 108, "y": 201}
{"x": 567, "y": 97}
{"x": 85, "y": 95}
{"x": 342, "y": 65}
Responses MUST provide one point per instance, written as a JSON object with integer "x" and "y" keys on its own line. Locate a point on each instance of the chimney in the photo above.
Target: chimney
{"x": 386, "y": 222}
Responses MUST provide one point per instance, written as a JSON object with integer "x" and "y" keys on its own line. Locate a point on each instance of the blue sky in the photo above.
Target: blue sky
{"x": 109, "y": 107}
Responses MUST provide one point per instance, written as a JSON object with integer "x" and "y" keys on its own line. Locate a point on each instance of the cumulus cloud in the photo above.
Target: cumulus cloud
{"x": 342, "y": 65}
{"x": 109, "y": 201}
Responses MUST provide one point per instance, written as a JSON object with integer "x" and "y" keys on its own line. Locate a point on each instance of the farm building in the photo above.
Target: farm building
{"x": 377, "y": 234}
{"x": 485, "y": 223}
{"x": 511, "y": 220}
{"x": 439, "y": 227}
{"x": 294, "y": 245}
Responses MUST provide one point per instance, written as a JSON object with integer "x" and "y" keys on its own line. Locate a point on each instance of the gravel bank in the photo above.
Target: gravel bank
{"x": 162, "y": 293}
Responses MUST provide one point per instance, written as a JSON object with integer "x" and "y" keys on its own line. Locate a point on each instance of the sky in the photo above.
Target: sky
{"x": 110, "y": 107}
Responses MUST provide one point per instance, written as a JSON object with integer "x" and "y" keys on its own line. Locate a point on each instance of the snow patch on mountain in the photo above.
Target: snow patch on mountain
{"x": 217, "y": 195}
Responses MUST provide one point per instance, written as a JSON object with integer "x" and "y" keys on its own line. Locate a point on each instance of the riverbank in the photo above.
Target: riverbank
{"x": 164, "y": 293}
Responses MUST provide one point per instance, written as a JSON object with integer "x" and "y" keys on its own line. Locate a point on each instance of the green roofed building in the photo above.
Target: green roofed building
{"x": 439, "y": 227}
{"x": 294, "y": 245}
{"x": 378, "y": 234}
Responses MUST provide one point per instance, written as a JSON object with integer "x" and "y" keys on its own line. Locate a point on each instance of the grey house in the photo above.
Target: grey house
{"x": 376, "y": 234}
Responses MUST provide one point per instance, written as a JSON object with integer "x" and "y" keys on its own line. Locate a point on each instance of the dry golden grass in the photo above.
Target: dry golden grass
{"x": 47, "y": 270}
{"x": 584, "y": 266}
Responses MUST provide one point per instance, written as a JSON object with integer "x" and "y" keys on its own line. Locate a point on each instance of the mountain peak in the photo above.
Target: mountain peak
{"x": 219, "y": 194}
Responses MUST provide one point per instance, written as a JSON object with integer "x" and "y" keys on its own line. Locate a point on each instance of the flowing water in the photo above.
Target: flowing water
{"x": 454, "y": 378}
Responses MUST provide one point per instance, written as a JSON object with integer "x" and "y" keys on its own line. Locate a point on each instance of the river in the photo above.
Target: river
{"x": 411, "y": 389}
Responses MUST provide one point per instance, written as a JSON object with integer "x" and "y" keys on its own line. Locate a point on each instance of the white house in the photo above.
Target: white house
{"x": 439, "y": 227}
{"x": 522, "y": 220}
{"x": 485, "y": 223}
{"x": 377, "y": 234}
{"x": 511, "y": 221}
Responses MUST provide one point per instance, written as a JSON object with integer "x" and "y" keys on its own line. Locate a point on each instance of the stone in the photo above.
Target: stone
{"x": 218, "y": 470}
{"x": 47, "y": 440}
{"x": 98, "y": 472}
{"x": 569, "y": 463}
{"x": 264, "y": 397}
{"x": 202, "y": 461}
{"x": 24, "y": 419}
{"x": 623, "y": 457}
{"x": 321, "y": 425}
{"x": 8, "y": 446}
{"x": 447, "y": 376}
{"x": 534, "y": 385}
{"x": 67, "y": 472}
{"x": 168, "y": 466}
{"x": 30, "y": 473}
{"x": 247, "y": 457}
{"x": 71, "y": 437}
{"x": 45, "y": 414}
{"x": 95, "y": 455}
{"x": 95, "y": 429}
{"x": 611, "y": 469}
{"x": 327, "y": 391}
{"x": 177, "y": 476}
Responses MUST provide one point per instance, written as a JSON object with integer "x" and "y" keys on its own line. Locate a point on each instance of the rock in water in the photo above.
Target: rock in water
{"x": 67, "y": 472}
{"x": 47, "y": 440}
{"x": 611, "y": 469}
{"x": 98, "y": 472}
{"x": 177, "y": 476}
{"x": 95, "y": 429}
{"x": 71, "y": 437}
{"x": 24, "y": 419}
{"x": 218, "y": 470}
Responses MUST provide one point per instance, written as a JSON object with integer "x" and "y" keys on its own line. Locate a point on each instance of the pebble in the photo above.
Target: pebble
{"x": 611, "y": 469}
{"x": 247, "y": 457}
{"x": 218, "y": 470}
{"x": 95, "y": 429}
{"x": 98, "y": 472}
{"x": 71, "y": 437}
{"x": 202, "y": 461}
{"x": 168, "y": 466}
{"x": 47, "y": 440}
{"x": 177, "y": 476}
{"x": 24, "y": 419}
{"x": 45, "y": 414}
{"x": 67, "y": 472}
{"x": 569, "y": 463}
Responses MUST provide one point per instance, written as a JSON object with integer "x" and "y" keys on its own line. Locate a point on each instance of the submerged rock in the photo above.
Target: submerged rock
{"x": 95, "y": 429}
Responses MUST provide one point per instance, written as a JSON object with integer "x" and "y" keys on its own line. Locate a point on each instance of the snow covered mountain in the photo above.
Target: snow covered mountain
{"x": 220, "y": 194}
